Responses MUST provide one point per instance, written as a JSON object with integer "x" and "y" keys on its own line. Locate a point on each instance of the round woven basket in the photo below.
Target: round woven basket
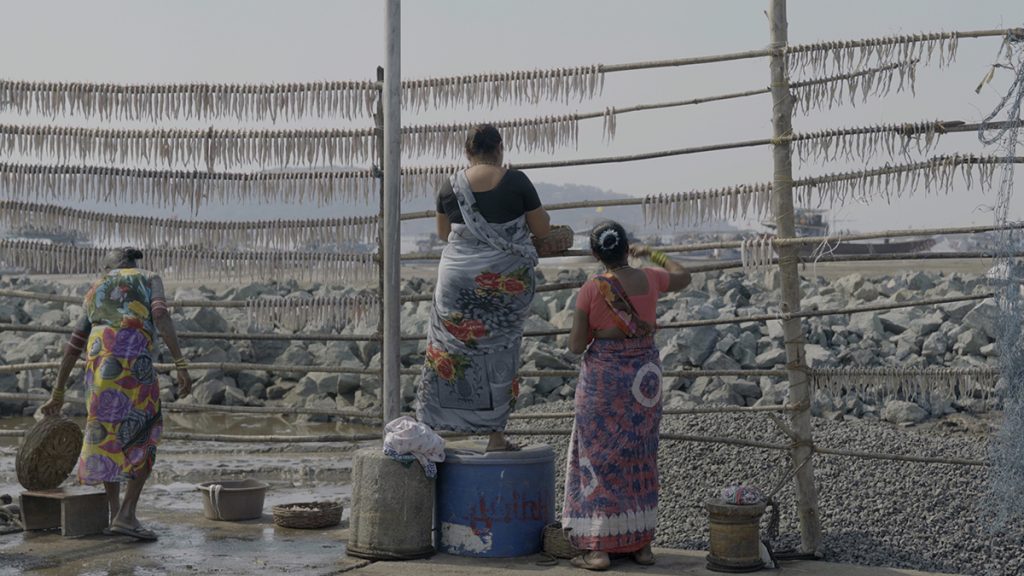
{"x": 308, "y": 514}
{"x": 557, "y": 544}
{"x": 48, "y": 453}
{"x": 558, "y": 241}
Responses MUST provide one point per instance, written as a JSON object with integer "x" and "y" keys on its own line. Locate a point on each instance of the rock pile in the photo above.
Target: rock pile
{"x": 955, "y": 335}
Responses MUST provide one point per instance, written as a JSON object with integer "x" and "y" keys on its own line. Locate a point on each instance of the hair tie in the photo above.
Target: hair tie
{"x": 609, "y": 234}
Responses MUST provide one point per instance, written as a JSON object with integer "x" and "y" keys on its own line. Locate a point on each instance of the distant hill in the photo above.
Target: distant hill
{"x": 579, "y": 219}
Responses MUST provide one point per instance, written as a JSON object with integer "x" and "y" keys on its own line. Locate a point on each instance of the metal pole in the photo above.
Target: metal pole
{"x": 782, "y": 206}
{"x": 378, "y": 122}
{"x": 391, "y": 247}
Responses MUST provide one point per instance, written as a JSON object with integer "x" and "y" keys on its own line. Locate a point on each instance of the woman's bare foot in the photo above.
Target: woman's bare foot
{"x": 597, "y": 561}
{"x": 499, "y": 443}
{"x": 644, "y": 556}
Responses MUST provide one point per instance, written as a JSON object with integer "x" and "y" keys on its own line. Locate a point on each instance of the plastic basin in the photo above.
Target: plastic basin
{"x": 233, "y": 499}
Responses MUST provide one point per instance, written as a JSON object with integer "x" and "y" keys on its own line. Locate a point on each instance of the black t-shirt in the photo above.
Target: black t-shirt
{"x": 511, "y": 198}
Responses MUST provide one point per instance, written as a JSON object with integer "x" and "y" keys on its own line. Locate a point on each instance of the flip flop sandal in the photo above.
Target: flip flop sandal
{"x": 645, "y": 560}
{"x": 581, "y": 561}
{"x": 139, "y": 533}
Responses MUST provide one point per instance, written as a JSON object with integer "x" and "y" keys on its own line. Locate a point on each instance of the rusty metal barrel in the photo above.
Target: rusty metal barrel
{"x": 735, "y": 543}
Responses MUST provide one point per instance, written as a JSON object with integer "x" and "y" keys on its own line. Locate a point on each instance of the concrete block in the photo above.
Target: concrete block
{"x": 77, "y": 511}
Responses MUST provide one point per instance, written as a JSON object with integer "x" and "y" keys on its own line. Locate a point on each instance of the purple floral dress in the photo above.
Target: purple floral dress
{"x": 124, "y": 422}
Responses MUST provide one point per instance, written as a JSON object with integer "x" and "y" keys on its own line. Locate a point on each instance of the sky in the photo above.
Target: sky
{"x": 267, "y": 41}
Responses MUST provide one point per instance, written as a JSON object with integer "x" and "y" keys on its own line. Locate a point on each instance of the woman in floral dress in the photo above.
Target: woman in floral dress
{"x": 123, "y": 311}
{"x": 485, "y": 284}
{"x": 611, "y": 476}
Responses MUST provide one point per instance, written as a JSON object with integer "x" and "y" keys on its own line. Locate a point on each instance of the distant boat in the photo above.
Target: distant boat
{"x": 811, "y": 222}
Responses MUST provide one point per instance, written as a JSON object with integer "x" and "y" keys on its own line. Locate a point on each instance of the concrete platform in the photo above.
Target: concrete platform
{"x": 672, "y": 562}
{"x": 192, "y": 545}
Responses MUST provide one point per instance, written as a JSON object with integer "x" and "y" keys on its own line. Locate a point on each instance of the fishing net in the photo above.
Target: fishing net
{"x": 1007, "y": 449}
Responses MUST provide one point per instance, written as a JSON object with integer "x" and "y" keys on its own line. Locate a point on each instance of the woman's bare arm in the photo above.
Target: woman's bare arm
{"x": 444, "y": 226}
{"x": 579, "y": 336}
{"x": 165, "y": 325}
{"x": 539, "y": 222}
{"x": 678, "y": 276}
{"x": 72, "y": 352}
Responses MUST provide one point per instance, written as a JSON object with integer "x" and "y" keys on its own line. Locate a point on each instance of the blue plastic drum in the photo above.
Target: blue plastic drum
{"x": 494, "y": 505}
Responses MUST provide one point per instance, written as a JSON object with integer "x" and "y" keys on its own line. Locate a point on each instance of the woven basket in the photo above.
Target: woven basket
{"x": 308, "y": 514}
{"x": 558, "y": 241}
{"x": 48, "y": 453}
{"x": 557, "y": 544}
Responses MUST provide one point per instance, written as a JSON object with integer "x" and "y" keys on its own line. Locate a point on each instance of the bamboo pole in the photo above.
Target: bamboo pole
{"x": 355, "y": 438}
{"x": 174, "y": 407}
{"x": 823, "y": 259}
{"x": 212, "y": 335}
{"x": 900, "y": 457}
{"x": 770, "y": 317}
{"x": 803, "y": 182}
{"x": 798, "y": 241}
{"x": 782, "y": 204}
{"x": 735, "y": 95}
{"x": 33, "y": 328}
{"x": 223, "y": 366}
{"x": 667, "y": 411}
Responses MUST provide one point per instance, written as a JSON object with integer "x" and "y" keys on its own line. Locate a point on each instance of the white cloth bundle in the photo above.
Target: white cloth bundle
{"x": 405, "y": 436}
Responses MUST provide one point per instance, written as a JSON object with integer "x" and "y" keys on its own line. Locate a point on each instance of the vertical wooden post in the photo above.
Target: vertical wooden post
{"x": 391, "y": 247}
{"x": 782, "y": 207}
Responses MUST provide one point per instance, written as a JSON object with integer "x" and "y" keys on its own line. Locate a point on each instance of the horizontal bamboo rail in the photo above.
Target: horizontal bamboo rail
{"x": 735, "y": 95}
{"x": 731, "y": 264}
{"x": 840, "y": 238}
{"x": 355, "y": 438}
{"x": 667, "y": 412}
{"x": 174, "y": 407}
{"x": 296, "y": 368}
{"x": 212, "y": 335}
{"x": 530, "y": 333}
{"x": 185, "y": 303}
{"x": 802, "y": 182}
{"x": 770, "y": 317}
{"x": 800, "y": 241}
{"x": 900, "y": 457}
{"x": 693, "y": 373}
{"x": 223, "y": 366}
{"x": 800, "y": 48}
{"x": 838, "y": 258}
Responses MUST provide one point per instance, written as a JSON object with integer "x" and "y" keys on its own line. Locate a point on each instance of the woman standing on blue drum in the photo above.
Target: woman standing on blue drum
{"x": 485, "y": 284}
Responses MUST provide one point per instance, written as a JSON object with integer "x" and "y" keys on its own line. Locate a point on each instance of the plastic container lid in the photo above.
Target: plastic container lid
{"x": 473, "y": 452}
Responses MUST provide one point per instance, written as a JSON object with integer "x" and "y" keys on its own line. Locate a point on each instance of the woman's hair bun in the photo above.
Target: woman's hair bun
{"x": 483, "y": 139}
{"x": 608, "y": 241}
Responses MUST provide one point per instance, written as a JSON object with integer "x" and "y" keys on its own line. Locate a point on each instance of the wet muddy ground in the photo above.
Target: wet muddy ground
{"x": 190, "y": 544}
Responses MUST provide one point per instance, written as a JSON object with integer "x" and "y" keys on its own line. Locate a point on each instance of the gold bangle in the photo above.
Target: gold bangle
{"x": 659, "y": 258}
{"x": 180, "y": 363}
